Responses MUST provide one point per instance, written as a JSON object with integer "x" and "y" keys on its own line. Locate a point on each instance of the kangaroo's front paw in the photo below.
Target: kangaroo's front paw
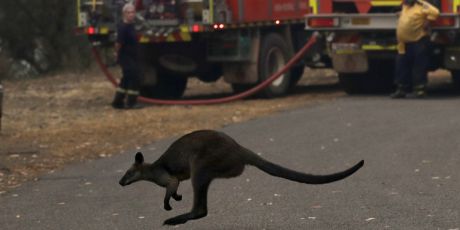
{"x": 177, "y": 197}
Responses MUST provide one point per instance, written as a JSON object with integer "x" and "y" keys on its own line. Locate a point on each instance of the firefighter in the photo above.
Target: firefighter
{"x": 126, "y": 51}
{"x": 413, "y": 48}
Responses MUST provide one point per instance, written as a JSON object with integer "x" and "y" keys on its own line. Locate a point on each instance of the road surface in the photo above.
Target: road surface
{"x": 410, "y": 180}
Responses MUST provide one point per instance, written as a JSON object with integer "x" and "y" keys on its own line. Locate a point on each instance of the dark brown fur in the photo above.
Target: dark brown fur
{"x": 203, "y": 156}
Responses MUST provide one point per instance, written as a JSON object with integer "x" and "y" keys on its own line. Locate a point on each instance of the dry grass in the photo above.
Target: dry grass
{"x": 53, "y": 121}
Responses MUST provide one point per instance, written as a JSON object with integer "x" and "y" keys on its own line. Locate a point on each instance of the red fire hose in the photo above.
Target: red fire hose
{"x": 242, "y": 95}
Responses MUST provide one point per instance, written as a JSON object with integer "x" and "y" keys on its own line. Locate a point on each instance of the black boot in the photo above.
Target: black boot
{"x": 131, "y": 102}
{"x": 118, "y": 100}
{"x": 399, "y": 93}
{"x": 420, "y": 91}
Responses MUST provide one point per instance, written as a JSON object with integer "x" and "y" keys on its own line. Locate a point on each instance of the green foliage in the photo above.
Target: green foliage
{"x": 28, "y": 24}
{"x": 4, "y": 66}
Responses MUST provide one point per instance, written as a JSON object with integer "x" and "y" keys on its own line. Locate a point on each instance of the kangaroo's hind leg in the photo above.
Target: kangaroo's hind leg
{"x": 200, "y": 182}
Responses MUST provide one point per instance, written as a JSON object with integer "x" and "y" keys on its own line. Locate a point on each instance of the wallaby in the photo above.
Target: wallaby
{"x": 203, "y": 156}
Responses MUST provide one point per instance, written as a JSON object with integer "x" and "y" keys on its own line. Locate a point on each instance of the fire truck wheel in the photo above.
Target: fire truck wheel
{"x": 168, "y": 86}
{"x": 274, "y": 54}
{"x": 352, "y": 83}
{"x": 296, "y": 75}
{"x": 177, "y": 63}
{"x": 456, "y": 78}
{"x": 210, "y": 73}
{"x": 364, "y": 84}
{"x": 239, "y": 88}
{"x": 379, "y": 79}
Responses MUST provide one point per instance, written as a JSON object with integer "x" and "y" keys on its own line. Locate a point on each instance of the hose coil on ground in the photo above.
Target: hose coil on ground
{"x": 235, "y": 97}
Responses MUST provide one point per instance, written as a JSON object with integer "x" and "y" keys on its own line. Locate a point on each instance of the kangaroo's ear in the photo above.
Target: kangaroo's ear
{"x": 139, "y": 158}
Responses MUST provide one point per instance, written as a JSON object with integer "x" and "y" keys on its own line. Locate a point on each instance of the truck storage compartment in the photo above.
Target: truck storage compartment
{"x": 262, "y": 10}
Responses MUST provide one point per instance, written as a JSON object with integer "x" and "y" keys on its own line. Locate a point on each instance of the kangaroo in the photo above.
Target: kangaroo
{"x": 205, "y": 155}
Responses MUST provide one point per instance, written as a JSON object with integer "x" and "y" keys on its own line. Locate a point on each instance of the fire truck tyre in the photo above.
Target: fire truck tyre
{"x": 352, "y": 83}
{"x": 456, "y": 78}
{"x": 296, "y": 75}
{"x": 168, "y": 86}
{"x": 379, "y": 79}
{"x": 274, "y": 54}
{"x": 210, "y": 73}
{"x": 239, "y": 88}
{"x": 178, "y": 63}
{"x": 365, "y": 83}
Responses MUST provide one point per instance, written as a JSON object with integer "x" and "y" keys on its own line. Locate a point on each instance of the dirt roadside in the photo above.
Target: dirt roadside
{"x": 57, "y": 120}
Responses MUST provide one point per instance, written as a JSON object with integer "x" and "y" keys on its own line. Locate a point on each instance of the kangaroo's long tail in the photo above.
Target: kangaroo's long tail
{"x": 279, "y": 171}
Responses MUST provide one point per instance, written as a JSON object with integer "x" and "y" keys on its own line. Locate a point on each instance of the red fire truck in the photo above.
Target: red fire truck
{"x": 360, "y": 41}
{"x": 243, "y": 41}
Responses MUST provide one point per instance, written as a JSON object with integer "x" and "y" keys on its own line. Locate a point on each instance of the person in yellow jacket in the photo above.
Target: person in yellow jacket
{"x": 413, "y": 47}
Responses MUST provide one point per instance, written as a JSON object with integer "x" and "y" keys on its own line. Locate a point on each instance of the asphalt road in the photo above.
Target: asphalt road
{"x": 410, "y": 180}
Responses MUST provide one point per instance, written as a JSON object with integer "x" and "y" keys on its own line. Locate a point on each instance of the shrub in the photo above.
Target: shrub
{"x": 4, "y": 66}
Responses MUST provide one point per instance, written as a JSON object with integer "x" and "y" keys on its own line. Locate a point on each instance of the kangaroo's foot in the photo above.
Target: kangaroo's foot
{"x": 182, "y": 219}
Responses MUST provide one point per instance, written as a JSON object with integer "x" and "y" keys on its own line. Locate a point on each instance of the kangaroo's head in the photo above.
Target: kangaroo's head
{"x": 136, "y": 172}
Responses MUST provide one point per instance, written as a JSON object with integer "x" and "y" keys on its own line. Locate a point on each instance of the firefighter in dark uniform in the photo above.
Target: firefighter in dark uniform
{"x": 413, "y": 48}
{"x": 126, "y": 49}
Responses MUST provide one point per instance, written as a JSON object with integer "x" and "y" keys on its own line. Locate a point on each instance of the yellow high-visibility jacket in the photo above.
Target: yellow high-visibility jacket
{"x": 412, "y": 23}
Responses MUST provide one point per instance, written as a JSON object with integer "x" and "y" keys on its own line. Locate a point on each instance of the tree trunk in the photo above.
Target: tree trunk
{"x": 1, "y": 106}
